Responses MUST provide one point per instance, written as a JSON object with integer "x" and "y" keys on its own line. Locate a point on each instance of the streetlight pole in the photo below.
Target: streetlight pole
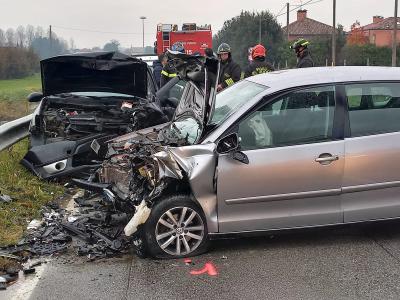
{"x": 394, "y": 39}
{"x": 334, "y": 35}
{"x": 259, "y": 31}
{"x": 143, "y": 18}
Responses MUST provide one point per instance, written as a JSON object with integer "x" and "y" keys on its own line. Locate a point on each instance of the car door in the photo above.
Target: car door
{"x": 371, "y": 182}
{"x": 295, "y": 169}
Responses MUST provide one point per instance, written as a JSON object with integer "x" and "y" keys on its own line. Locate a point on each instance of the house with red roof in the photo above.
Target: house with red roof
{"x": 380, "y": 31}
{"x": 307, "y": 28}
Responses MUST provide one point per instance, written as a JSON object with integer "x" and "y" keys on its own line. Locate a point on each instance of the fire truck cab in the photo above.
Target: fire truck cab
{"x": 194, "y": 38}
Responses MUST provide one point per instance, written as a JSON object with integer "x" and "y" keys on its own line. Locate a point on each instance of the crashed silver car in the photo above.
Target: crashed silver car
{"x": 87, "y": 96}
{"x": 287, "y": 149}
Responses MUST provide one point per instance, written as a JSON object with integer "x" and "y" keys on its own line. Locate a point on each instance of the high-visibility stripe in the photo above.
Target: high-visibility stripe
{"x": 165, "y": 73}
{"x": 229, "y": 81}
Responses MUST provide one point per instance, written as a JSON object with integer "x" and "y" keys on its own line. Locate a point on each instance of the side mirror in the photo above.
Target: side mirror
{"x": 228, "y": 144}
{"x": 35, "y": 97}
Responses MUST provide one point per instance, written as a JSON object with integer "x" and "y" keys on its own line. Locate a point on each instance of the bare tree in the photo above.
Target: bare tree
{"x": 39, "y": 32}
{"x": 2, "y": 38}
{"x": 72, "y": 45}
{"x": 30, "y": 34}
{"x": 10, "y": 37}
{"x": 21, "y": 36}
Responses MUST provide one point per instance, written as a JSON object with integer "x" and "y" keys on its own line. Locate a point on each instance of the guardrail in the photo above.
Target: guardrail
{"x": 14, "y": 131}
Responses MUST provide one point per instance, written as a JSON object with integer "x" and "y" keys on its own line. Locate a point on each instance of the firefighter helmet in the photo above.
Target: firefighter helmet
{"x": 258, "y": 51}
{"x": 300, "y": 43}
{"x": 224, "y": 48}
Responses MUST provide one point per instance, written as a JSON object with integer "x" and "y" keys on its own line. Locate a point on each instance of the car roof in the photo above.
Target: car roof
{"x": 284, "y": 79}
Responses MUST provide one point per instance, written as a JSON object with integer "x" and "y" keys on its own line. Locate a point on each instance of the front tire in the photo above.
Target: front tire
{"x": 176, "y": 228}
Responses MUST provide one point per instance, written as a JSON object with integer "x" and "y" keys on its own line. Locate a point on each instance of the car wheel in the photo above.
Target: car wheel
{"x": 176, "y": 228}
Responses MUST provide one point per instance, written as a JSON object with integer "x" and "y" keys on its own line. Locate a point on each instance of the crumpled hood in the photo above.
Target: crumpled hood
{"x": 111, "y": 72}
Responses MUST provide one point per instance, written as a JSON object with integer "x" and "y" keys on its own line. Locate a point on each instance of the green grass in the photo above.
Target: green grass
{"x": 28, "y": 193}
{"x": 13, "y": 94}
{"x": 18, "y": 89}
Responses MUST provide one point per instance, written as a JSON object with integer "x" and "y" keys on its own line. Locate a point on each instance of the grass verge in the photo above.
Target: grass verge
{"x": 13, "y": 95}
{"x": 29, "y": 193}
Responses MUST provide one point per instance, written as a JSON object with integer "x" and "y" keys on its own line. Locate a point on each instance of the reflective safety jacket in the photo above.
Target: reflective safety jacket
{"x": 167, "y": 73}
{"x": 230, "y": 73}
{"x": 258, "y": 66}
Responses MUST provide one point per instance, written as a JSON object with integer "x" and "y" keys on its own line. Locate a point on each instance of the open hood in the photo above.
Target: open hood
{"x": 202, "y": 72}
{"x": 111, "y": 72}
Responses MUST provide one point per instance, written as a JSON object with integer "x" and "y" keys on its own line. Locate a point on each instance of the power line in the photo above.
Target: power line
{"x": 281, "y": 10}
{"x": 98, "y": 31}
{"x": 301, "y": 5}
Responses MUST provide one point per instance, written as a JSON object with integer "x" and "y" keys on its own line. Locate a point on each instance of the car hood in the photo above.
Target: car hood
{"x": 111, "y": 72}
{"x": 202, "y": 72}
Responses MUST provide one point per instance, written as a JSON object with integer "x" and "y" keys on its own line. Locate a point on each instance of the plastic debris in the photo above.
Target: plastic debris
{"x": 34, "y": 224}
{"x": 140, "y": 217}
{"x": 5, "y": 198}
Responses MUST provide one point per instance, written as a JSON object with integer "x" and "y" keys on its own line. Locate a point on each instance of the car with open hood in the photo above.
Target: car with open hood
{"x": 284, "y": 150}
{"x": 87, "y": 96}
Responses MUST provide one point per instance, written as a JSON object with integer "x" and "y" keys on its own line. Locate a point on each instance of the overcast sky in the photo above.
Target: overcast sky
{"x": 122, "y": 16}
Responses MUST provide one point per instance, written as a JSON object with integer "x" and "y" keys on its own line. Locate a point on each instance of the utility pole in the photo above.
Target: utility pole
{"x": 259, "y": 31}
{"x": 143, "y": 18}
{"x": 394, "y": 39}
{"x": 287, "y": 20}
{"x": 334, "y": 35}
{"x": 51, "y": 41}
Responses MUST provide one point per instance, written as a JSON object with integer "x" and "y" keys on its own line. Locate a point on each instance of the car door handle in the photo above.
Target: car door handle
{"x": 326, "y": 158}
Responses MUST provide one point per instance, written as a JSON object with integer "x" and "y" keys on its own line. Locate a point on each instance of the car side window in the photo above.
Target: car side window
{"x": 374, "y": 108}
{"x": 304, "y": 116}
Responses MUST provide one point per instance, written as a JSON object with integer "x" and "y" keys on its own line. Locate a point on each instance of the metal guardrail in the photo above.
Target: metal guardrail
{"x": 14, "y": 131}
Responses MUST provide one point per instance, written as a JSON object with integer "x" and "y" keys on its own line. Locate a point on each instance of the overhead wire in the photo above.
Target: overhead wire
{"x": 300, "y": 5}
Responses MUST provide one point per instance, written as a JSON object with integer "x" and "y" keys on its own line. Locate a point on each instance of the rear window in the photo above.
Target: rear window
{"x": 374, "y": 108}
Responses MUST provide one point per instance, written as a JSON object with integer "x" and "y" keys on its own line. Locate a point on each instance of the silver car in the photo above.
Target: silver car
{"x": 288, "y": 149}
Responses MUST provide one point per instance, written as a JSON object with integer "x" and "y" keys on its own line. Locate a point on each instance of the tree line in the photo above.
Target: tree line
{"x": 23, "y": 47}
{"x": 243, "y": 31}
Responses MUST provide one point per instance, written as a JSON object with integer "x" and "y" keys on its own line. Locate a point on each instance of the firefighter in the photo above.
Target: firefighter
{"x": 168, "y": 72}
{"x": 158, "y": 65}
{"x": 230, "y": 71}
{"x": 258, "y": 64}
{"x": 304, "y": 59}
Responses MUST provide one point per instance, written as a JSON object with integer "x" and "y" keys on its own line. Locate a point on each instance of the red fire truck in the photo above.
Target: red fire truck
{"x": 194, "y": 38}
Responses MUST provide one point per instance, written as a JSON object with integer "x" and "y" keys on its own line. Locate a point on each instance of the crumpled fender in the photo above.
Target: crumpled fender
{"x": 199, "y": 163}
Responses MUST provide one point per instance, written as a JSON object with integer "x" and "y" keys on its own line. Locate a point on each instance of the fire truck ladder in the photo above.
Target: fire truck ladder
{"x": 166, "y": 36}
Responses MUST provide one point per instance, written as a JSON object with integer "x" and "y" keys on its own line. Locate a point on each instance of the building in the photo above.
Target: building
{"x": 380, "y": 31}
{"x": 307, "y": 28}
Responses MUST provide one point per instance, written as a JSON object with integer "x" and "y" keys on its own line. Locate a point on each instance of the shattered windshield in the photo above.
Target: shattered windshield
{"x": 186, "y": 128}
{"x": 230, "y": 99}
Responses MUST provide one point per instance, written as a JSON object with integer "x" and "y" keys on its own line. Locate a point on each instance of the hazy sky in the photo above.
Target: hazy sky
{"x": 122, "y": 16}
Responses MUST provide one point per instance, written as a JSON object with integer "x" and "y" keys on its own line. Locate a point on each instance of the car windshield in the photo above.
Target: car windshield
{"x": 230, "y": 99}
{"x": 186, "y": 128}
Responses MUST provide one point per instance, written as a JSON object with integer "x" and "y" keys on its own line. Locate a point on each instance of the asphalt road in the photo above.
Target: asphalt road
{"x": 355, "y": 262}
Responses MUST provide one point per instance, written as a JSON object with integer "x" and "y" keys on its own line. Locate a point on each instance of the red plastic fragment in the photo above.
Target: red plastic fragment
{"x": 208, "y": 268}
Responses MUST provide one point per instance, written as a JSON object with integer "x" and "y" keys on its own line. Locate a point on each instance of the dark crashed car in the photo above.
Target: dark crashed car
{"x": 84, "y": 97}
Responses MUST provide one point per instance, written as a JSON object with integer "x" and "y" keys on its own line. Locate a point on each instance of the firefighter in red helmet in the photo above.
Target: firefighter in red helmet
{"x": 259, "y": 64}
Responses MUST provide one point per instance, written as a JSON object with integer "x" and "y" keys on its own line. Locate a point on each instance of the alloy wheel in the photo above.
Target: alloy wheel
{"x": 179, "y": 231}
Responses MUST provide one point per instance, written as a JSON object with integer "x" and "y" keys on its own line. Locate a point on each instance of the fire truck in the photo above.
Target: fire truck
{"x": 194, "y": 38}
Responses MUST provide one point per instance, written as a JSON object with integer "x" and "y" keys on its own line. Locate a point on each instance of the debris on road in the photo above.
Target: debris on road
{"x": 5, "y": 198}
{"x": 93, "y": 228}
{"x": 208, "y": 268}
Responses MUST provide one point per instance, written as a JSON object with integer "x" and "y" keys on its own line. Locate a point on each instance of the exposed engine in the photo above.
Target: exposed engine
{"x": 74, "y": 117}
